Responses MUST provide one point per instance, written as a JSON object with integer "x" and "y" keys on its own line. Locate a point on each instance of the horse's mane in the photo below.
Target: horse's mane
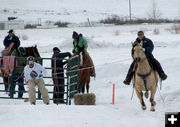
{"x": 32, "y": 51}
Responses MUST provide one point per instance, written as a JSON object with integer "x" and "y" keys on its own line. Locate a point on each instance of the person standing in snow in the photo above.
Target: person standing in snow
{"x": 80, "y": 45}
{"x": 57, "y": 64}
{"x": 34, "y": 73}
{"x": 148, "y": 47}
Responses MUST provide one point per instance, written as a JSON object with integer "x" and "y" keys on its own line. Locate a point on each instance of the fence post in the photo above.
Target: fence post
{"x": 67, "y": 89}
{"x": 73, "y": 78}
{"x": 12, "y": 85}
{"x": 12, "y": 78}
{"x": 39, "y": 94}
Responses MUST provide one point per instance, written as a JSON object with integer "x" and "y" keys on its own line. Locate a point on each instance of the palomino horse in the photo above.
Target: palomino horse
{"x": 30, "y": 51}
{"x": 145, "y": 78}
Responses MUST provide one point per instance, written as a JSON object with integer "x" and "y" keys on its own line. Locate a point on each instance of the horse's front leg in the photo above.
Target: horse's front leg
{"x": 83, "y": 87}
{"x": 79, "y": 87}
{"x": 140, "y": 96}
{"x": 153, "y": 103}
{"x": 87, "y": 87}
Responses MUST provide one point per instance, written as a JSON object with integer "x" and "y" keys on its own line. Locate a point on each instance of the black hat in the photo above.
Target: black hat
{"x": 11, "y": 31}
{"x": 22, "y": 50}
{"x": 56, "y": 49}
{"x": 75, "y": 35}
{"x": 140, "y": 33}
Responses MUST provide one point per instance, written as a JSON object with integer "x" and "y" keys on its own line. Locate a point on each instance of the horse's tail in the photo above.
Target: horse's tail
{"x": 147, "y": 94}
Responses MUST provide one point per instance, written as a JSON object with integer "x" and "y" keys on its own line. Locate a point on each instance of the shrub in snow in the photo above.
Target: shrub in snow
{"x": 176, "y": 29}
{"x": 24, "y": 37}
{"x": 92, "y": 37}
{"x": 116, "y": 33}
{"x": 156, "y": 31}
{"x": 30, "y": 26}
{"x": 5, "y": 10}
{"x": 61, "y": 24}
{"x": 114, "y": 19}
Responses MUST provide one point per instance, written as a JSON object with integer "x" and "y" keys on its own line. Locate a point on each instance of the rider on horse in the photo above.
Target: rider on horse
{"x": 80, "y": 46}
{"x": 11, "y": 38}
{"x": 148, "y": 48}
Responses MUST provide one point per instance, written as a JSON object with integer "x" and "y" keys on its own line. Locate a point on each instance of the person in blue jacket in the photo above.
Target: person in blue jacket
{"x": 57, "y": 64}
{"x": 148, "y": 47}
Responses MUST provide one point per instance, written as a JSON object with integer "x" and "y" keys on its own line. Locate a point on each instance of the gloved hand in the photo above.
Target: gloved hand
{"x": 135, "y": 43}
{"x": 73, "y": 51}
{"x": 40, "y": 75}
{"x": 33, "y": 74}
{"x": 144, "y": 49}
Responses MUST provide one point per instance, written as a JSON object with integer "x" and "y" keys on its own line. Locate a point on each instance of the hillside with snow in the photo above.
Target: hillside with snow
{"x": 77, "y": 11}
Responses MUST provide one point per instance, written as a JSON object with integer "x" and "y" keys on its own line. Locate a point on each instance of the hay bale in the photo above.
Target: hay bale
{"x": 84, "y": 99}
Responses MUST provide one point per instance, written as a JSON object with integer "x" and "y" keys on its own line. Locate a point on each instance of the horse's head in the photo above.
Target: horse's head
{"x": 32, "y": 51}
{"x": 138, "y": 52}
{"x": 86, "y": 62}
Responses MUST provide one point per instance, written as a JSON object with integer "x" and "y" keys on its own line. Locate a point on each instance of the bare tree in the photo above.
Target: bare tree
{"x": 154, "y": 12}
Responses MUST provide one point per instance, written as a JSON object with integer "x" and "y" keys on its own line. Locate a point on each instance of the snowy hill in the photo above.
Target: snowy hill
{"x": 76, "y": 11}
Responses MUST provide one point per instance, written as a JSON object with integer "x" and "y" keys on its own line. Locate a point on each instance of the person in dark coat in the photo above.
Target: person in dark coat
{"x": 58, "y": 74}
{"x": 11, "y": 38}
{"x": 148, "y": 47}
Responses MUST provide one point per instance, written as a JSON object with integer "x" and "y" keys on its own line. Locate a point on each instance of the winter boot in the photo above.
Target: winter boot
{"x": 129, "y": 75}
{"x": 127, "y": 81}
{"x": 163, "y": 76}
{"x": 158, "y": 68}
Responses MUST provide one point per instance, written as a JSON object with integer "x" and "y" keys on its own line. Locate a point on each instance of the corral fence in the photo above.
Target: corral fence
{"x": 71, "y": 78}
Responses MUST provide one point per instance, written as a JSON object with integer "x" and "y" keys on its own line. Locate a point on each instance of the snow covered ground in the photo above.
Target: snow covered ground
{"x": 77, "y": 11}
{"x": 106, "y": 45}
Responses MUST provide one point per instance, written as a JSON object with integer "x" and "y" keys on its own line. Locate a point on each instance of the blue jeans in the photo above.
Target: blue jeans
{"x": 17, "y": 78}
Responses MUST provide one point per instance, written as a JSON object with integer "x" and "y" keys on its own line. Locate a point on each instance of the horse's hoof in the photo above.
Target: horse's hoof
{"x": 152, "y": 108}
{"x": 143, "y": 107}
